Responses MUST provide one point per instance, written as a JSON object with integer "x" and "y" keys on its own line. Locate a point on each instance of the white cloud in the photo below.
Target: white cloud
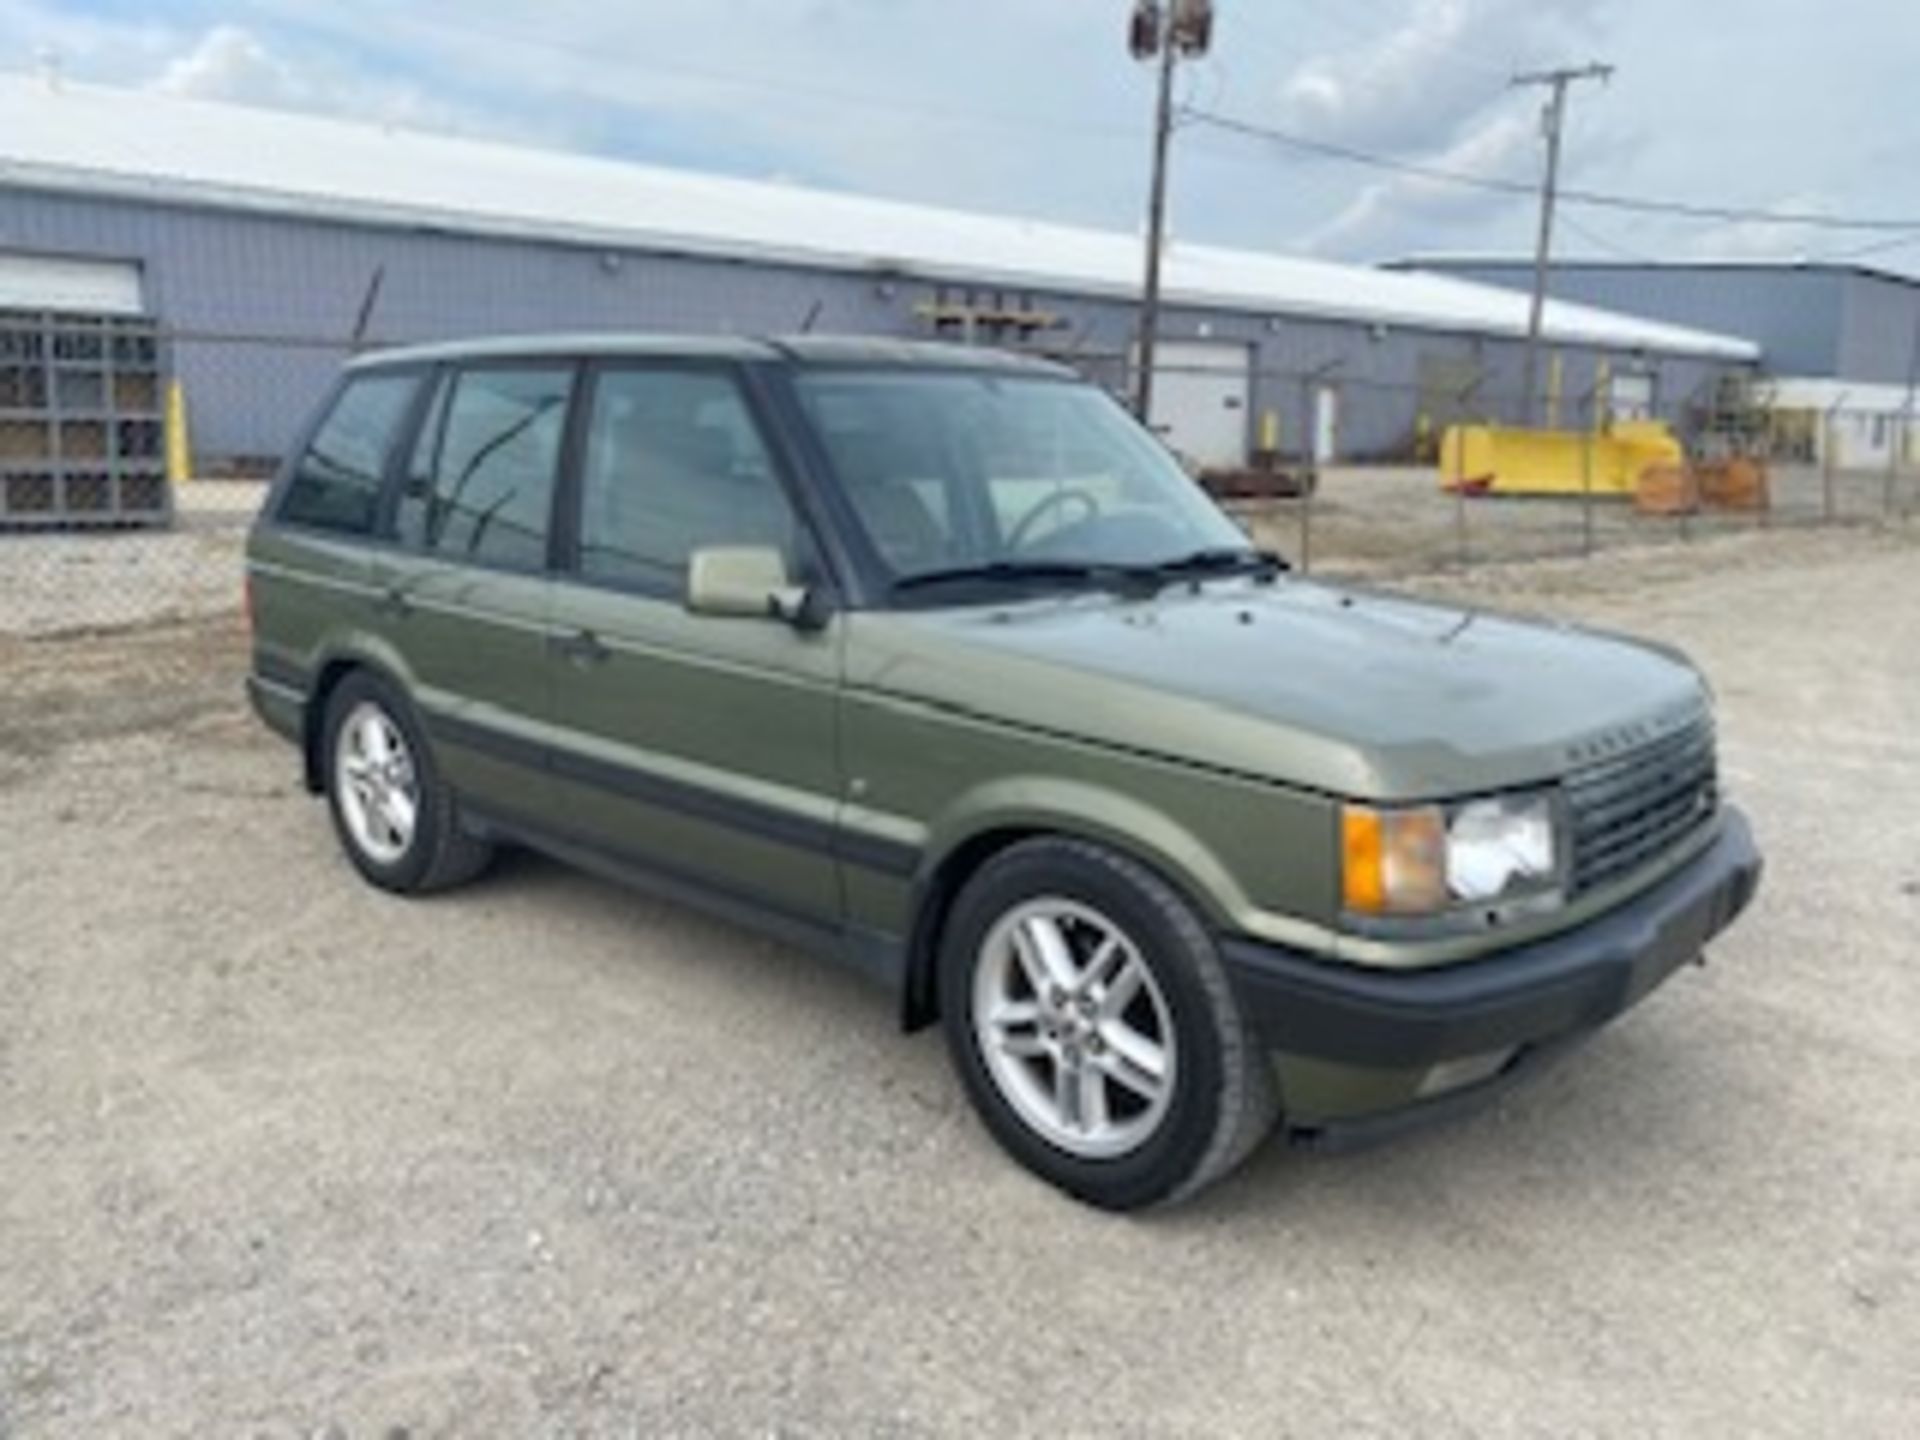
{"x": 1389, "y": 215}
{"x": 231, "y": 63}
{"x": 1419, "y": 83}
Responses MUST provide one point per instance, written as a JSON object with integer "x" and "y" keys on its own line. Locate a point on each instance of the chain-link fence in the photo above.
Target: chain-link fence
{"x": 1347, "y": 477}
{"x": 1605, "y": 469}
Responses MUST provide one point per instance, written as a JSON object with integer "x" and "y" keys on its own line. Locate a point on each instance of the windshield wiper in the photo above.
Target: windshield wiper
{"x": 1219, "y": 560}
{"x": 1126, "y": 578}
{"x": 1014, "y": 572}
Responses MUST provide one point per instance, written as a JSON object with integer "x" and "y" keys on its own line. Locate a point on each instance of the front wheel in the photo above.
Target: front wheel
{"x": 1093, "y": 1027}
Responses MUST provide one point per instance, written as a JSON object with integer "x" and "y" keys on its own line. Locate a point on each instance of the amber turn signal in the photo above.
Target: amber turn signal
{"x": 1393, "y": 862}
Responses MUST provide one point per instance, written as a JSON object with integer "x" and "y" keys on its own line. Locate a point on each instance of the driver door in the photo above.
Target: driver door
{"x": 700, "y": 747}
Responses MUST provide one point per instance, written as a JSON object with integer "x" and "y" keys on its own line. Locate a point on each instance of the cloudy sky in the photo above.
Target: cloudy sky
{"x": 1033, "y": 106}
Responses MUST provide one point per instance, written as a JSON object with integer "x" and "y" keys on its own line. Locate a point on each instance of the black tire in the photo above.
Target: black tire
{"x": 1224, "y": 1099}
{"x": 440, "y": 853}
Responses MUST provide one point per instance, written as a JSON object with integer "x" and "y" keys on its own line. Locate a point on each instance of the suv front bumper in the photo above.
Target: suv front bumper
{"x": 1531, "y": 1000}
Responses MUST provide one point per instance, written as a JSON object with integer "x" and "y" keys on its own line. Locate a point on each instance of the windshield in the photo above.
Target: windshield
{"x": 998, "y": 477}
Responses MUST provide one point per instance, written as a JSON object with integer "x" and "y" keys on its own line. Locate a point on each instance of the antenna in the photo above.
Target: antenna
{"x": 367, "y": 302}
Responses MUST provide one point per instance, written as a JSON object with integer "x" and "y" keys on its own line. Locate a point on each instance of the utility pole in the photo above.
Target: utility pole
{"x": 1166, "y": 30}
{"x": 1552, "y": 121}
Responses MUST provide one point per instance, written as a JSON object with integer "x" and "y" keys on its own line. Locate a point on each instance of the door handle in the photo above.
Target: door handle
{"x": 393, "y": 601}
{"x": 582, "y": 647}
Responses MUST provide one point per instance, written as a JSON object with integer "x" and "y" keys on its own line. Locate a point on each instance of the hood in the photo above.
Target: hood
{"x": 1345, "y": 692}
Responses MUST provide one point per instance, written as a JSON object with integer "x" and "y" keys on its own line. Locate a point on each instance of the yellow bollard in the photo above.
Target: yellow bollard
{"x": 179, "y": 447}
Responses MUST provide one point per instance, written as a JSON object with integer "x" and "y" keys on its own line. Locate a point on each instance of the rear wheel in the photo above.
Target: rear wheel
{"x": 396, "y": 819}
{"x": 1094, "y": 1029}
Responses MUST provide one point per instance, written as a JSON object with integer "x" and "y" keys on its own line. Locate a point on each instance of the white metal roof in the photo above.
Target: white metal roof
{"x": 1442, "y": 260}
{"x": 1816, "y": 392}
{"x": 133, "y": 143}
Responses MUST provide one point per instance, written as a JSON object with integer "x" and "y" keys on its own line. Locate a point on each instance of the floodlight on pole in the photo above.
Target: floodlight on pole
{"x": 1168, "y": 33}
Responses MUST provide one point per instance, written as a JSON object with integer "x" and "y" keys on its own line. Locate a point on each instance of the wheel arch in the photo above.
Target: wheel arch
{"x": 335, "y": 665}
{"x": 1034, "y": 809}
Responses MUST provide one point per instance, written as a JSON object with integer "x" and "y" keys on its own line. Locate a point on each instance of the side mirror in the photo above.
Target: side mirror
{"x": 750, "y": 582}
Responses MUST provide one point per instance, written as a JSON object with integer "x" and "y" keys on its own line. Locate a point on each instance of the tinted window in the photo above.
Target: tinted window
{"x": 673, "y": 463}
{"x": 337, "y": 483}
{"x": 480, "y": 482}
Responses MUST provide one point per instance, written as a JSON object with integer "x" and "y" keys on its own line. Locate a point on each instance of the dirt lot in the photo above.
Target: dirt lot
{"x": 282, "y": 1156}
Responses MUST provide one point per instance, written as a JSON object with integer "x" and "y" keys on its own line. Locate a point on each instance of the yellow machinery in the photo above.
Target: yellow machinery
{"x": 1508, "y": 460}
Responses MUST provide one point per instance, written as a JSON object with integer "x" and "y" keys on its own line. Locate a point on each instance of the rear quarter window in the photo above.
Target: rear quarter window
{"x": 336, "y": 483}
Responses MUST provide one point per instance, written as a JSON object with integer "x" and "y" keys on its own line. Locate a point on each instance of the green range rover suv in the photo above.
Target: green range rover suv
{"x": 933, "y": 660}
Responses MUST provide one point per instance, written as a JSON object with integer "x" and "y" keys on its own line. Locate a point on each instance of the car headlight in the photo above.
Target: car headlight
{"x": 1426, "y": 859}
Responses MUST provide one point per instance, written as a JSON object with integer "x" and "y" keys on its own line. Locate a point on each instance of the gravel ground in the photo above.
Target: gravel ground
{"x": 283, "y": 1156}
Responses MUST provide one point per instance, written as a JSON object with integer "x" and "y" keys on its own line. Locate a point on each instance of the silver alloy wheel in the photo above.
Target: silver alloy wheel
{"x": 377, "y": 785}
{"x": 1074, "y": 1028}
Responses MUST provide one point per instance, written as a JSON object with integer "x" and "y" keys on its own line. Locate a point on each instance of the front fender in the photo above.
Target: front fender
{"x": 1027, "y": 804}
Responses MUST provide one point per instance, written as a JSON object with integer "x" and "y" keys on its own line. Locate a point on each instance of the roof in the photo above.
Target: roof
{"x": 1820, "y": 392}
{"x": 134, "y": 144}
{"x": 1469, "y": 261}
{"x": 804, "y": 349}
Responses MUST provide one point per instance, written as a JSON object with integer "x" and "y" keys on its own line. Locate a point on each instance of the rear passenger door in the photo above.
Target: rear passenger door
{"x": 701, "y": 747}
{"x": 465, "y": 591}
{"x": 309, "y": 563}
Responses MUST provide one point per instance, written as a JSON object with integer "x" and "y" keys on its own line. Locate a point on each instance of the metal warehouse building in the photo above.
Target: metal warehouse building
{"x": 1838, "y": 340}
{"x": 262, "y": 242}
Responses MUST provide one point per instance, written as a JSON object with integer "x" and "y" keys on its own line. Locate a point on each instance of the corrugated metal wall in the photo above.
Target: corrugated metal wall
{"x": 1881, "y": 343}
{"x": 263, "y": 306}
{"x": 1808, "y": 321}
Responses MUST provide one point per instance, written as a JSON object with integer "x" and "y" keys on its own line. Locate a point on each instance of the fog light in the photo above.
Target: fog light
{"x": 1451, "y": 1075}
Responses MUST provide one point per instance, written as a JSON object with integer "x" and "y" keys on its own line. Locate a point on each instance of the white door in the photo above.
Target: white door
{"x": 1326, "y": 425}
{"x": 1201, "y": 395}
{"x": 72, "y": 284}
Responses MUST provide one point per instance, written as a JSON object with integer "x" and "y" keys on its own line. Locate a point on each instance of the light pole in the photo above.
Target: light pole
{"x": 1165, "y": 32}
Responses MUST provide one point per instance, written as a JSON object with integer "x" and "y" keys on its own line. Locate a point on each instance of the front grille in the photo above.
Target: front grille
{"x": 1625, "y": 812}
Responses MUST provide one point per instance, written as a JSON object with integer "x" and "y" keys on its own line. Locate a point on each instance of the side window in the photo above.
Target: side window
{"x": 673, "y": 463}
{"x": 336, "y": 485}
{"x": 479, "y": 485}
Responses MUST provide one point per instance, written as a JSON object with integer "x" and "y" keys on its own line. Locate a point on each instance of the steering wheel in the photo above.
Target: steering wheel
{"x": 1048, "y": 503}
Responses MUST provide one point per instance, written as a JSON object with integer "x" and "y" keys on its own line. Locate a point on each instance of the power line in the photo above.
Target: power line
{"x": 1338, "y": 19}
{"x": 1878, "y": 247}
{"x": 1597, "y": 199}
{"x": 1612, "y": 247}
